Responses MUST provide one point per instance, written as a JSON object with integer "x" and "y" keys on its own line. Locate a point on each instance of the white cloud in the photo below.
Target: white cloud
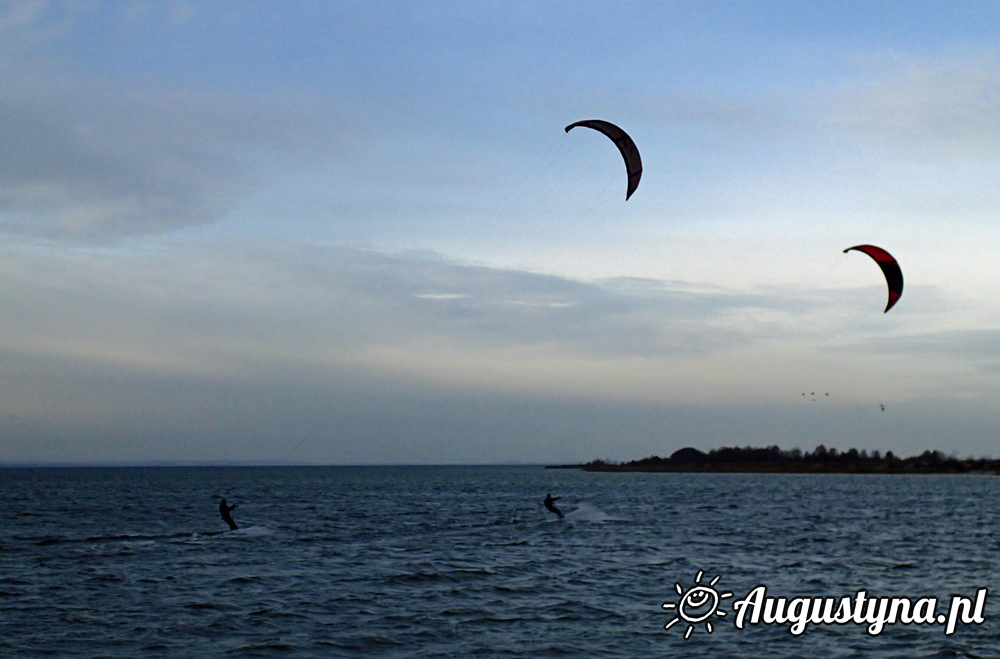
{"x": 924, "y": 109}
{"x": 218, "y": 311}
{"x": 88, "y": 158}
{"x": 85, "y": 159}
{"x": 27, "y": 24}
{"x": 180, "y": 14}
{"x": 243, "y": 311}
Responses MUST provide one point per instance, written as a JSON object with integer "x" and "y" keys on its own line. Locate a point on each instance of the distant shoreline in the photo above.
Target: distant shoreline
{"x": 773, "y": 460}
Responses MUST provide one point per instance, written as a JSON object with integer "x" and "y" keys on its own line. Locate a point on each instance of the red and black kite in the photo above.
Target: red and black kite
{"x": 893, "y": 275}
{"x": 633, "y": 164}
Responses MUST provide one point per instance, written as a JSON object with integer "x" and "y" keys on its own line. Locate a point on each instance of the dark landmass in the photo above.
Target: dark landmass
{"x": 772, "y": 460}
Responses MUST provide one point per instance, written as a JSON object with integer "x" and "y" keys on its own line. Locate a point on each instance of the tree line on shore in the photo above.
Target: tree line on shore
{"x": 820, "y": 460}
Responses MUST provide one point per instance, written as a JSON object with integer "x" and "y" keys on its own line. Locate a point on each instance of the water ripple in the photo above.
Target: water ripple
{"x": 446, "y": 562}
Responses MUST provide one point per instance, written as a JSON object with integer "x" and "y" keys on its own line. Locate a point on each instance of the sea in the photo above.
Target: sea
{"x": 461, "y": 561}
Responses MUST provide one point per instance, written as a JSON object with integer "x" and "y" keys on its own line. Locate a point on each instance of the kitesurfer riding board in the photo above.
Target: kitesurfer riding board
{"x": 226, "y": 511}
{"x": 550, "y": 504}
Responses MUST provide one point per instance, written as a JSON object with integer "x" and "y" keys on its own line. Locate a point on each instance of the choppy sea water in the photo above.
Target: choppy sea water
{"x": 465, "y": 561}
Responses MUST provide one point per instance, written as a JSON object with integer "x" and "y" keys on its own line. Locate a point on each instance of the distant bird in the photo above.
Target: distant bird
{"x": 882, "y": 407}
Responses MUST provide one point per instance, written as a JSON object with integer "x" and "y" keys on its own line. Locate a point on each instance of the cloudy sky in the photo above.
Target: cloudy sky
{"x": 356, "y": 232}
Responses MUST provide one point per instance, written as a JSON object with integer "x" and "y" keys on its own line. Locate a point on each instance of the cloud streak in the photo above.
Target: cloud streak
{"x": 241, "y": 311}
{"x": 84, "y": 159}
{"x": 925, "y": 109}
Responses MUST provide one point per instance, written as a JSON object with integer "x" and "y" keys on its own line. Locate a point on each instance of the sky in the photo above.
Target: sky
{"x": 357, "y": 233}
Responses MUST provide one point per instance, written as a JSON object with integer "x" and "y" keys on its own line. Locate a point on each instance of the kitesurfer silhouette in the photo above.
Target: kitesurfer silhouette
{"x": 225, "y": 511}
{"x": 550, "y": 504}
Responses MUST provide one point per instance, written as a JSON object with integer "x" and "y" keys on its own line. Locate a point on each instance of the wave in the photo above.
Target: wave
{"x": 47, "y": 540}
{"x": 586, "y": 512}
{"x": 448, "y": 575}
{"x": 139, "y": 538}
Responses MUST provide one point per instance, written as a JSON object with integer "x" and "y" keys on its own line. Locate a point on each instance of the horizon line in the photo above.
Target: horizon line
{"x": 246, "y": 463}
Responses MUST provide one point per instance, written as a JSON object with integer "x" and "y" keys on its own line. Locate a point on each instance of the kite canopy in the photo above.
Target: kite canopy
{"x": 633, "y": 164}
{"x": 893, "y": 275}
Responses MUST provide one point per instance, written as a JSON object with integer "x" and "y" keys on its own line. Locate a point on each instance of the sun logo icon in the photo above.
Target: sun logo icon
{"x": 697, "y": 605}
